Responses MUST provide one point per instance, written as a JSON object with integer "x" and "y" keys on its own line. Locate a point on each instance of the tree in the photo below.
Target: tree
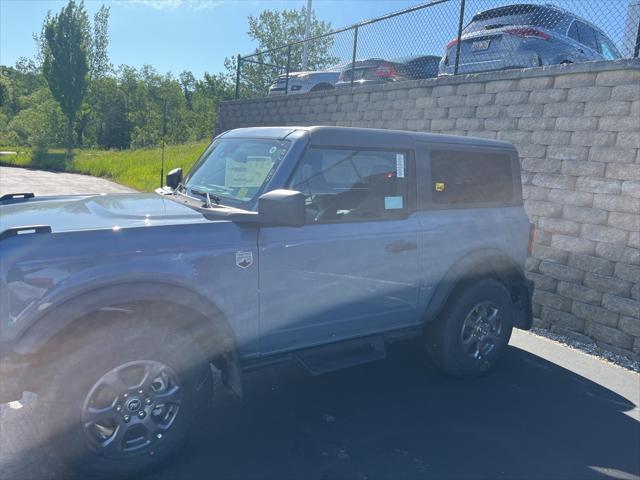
{"x": 188, "y": 84}
{"x": 65, "y": 60}
{"x": 273, "y": 30}
{"x": 99, "y": 68}
{"x": 99, "y": 65}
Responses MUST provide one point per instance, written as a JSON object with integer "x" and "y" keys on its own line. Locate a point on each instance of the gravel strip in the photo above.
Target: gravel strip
{"x": 589, "y": 349}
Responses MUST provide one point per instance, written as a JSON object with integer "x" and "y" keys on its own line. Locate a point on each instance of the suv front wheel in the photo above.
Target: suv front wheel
{"x": 125, "y": 399}
{"x": 473, "y": 330}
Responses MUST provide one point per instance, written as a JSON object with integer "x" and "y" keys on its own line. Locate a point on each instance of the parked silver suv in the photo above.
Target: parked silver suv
{"x": 304, "y": 82}
{"x": 524, "y": 35}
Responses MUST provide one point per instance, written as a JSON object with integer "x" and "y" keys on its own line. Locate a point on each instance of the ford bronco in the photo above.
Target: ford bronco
{"x": 317, "y": 245}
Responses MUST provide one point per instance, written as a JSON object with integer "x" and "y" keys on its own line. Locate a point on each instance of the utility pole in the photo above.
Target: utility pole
{"x": 631, "y": 36}
{"x": 164, "y": 133}
{"x": 305, "y": 46}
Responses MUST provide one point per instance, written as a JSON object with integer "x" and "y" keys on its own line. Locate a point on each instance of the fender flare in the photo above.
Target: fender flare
{"x": 59, "y": 316}
{"x": 477, "y": 264}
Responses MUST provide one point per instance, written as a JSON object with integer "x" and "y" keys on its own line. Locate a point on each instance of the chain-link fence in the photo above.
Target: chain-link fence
{"x": 446, "y": 37}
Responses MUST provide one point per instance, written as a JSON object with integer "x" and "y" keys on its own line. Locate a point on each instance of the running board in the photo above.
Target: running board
{"x": 328, "y": 358}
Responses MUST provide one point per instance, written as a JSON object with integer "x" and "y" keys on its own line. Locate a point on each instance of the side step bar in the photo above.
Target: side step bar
{"x": 333, "y": 357}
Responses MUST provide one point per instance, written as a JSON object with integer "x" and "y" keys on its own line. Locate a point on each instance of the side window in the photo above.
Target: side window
{"x": 573, "y": 31}
{"x": 609, "y": 52}
{"x": 343, "y": 185}
{"x": 587, "y": 36}
{"x": 470, "y": 178}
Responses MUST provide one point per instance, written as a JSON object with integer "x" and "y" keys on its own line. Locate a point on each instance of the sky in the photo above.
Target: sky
{"x": 174, "y": 35}
{"x": 197, "y": 35}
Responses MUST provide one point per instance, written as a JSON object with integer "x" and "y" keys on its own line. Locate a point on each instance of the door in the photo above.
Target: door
{"x": 352, "y": 269}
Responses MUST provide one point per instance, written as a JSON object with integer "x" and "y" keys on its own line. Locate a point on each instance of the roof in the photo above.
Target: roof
{"x": 534, "y": 6}
{"x": 361, "y": 137}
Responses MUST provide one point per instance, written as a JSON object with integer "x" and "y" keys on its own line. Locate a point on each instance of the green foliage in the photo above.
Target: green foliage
{"x": 39, "y": 125}
{"x": 99, "y": 65}
{"x": 139, "y": 169}
{"x": 273, "y": 29}
{"x": 65, "y": 60}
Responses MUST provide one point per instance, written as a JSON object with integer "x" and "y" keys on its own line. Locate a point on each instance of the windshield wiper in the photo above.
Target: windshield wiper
{"x": 179, "y": 187}
{"x": 207, "y": 197}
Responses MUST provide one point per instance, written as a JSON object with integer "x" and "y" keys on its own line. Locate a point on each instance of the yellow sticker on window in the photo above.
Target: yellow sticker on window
{"x": 439, "y": 186}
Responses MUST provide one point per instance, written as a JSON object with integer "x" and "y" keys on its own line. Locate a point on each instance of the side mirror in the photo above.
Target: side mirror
{"x": 282, "y": 208}
{"x": 174, "y": 177}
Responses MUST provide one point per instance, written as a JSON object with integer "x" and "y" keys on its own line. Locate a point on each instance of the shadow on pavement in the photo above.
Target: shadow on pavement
{"x": 398, "y": 419}
{"x": 49, "y": 160}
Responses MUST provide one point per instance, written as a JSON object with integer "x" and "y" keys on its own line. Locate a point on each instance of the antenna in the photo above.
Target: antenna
{"x": 164, "y": 132}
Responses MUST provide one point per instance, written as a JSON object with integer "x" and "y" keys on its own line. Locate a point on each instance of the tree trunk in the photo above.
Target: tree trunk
{"x": 69, "y": 137}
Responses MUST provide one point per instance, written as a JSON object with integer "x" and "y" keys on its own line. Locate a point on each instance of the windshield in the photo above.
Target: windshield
{"x": 236, "y": 170}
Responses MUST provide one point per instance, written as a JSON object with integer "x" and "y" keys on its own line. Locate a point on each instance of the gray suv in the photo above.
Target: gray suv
{"x": 317, "y": 245}
{"x": 524, "y": 35}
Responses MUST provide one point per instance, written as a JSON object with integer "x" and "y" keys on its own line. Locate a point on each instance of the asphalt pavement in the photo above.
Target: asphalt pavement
{"x": 40, "y": 182}
{"x": 546, "y": 412}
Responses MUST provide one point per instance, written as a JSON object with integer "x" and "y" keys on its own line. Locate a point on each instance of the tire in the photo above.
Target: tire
{"x": 469, "y": 336}
{"x": 102, "y": 373}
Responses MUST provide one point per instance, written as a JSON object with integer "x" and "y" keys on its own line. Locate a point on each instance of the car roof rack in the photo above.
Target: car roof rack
{"x": 26, "y": 230}
{"x": 16, "y": 197}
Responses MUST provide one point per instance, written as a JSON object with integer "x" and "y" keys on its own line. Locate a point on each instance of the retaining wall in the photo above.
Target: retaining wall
{"x": 577, "y": 129}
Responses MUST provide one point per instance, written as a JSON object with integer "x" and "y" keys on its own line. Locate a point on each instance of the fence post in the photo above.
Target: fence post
{"x": 238, "y": 66}
{"x": 460, "y": 23}
{"x": 353, "y": 56}
{"x": 286, "y": 85}
{"x": 636, "y": 50}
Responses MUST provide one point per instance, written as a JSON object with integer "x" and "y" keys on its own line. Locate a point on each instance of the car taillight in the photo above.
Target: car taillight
{"x": 452, "y": 43}
{"x": 528, "y": 33}
{"x": 532, "y": 239}
{"x": 385, "y": 70}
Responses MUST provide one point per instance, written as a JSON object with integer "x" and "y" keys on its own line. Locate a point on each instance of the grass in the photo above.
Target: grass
{"x": 139, "y": 169}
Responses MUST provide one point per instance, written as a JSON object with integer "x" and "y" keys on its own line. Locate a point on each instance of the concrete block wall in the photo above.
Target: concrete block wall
{"x": 577, "y": 129}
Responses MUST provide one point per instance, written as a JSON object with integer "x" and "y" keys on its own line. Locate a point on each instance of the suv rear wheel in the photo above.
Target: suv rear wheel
{"x": 473, "y": 330}
{"x": 124, "y": 400}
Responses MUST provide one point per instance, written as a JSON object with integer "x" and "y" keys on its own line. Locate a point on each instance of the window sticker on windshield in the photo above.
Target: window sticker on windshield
{"x": 393, "y": 203}
{"x": 400, "y": 165}
{"x": 242, "y": 193}
{"x": 250, "y": 173}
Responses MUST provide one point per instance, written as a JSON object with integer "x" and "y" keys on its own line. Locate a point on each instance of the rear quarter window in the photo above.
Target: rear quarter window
{"x": 469, "y": 178}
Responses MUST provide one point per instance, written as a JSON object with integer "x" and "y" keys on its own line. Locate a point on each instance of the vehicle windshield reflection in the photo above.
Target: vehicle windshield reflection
{"x": 235, "y": 171}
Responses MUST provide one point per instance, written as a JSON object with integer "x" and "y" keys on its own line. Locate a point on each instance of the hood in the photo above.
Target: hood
{"x": 293, "y": 75}
{"x": 93, "y": 212}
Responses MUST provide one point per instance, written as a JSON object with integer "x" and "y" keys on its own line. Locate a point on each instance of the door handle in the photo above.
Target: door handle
{"x": 400, "y": 246}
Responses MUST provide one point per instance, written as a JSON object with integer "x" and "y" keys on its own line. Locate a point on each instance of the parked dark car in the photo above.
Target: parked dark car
{"x": 377, "y": 70}
{"x": 524, "y": 35}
